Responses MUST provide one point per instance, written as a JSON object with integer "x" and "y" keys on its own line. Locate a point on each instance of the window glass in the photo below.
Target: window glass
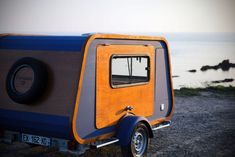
{"x": 128, "y": 70}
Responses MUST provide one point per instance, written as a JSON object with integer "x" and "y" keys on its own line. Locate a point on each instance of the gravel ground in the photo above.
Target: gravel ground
{"x": 201, "y": 126}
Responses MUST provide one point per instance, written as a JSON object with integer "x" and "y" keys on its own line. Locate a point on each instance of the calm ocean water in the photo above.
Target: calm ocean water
{"x": 187, "y": 55}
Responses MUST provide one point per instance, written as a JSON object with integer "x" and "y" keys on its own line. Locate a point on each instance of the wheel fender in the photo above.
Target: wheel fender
{"x": 126, "y": 127}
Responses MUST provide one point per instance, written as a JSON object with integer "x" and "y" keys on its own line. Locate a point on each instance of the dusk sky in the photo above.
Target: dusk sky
{"x": 120, "y": 16}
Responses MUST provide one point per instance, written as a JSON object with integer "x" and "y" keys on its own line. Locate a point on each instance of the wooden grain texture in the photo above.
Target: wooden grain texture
{"x": 80, "y": 84}
{"x": 60, "y": 94}
{"x": 111, "y": 102}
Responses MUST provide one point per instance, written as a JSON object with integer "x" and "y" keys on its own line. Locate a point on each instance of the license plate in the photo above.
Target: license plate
{"x": 34, "y": 139}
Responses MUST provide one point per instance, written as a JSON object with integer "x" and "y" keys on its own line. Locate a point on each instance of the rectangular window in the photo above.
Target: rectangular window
{"x": 129, "y": 70}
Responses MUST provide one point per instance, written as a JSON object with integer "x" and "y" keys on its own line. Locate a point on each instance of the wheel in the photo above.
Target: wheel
{"x": 138, "y": 145}
{"x": 26, "y": 80}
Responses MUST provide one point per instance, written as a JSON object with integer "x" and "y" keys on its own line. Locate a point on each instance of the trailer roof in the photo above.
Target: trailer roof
{"x": 60, "y": 43}
{"x": 53, "y": 43}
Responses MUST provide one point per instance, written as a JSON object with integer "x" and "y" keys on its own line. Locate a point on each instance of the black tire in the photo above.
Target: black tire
{"x": 131, "y": 149}
{"x": 37, "y": 80}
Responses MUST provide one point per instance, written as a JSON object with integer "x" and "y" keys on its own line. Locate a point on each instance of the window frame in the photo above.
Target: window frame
{"x": 130, "y": 84}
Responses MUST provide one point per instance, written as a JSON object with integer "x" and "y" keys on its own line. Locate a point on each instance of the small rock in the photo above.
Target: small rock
{"x": 192, "y": 70}
{"x": 223, "y": 81}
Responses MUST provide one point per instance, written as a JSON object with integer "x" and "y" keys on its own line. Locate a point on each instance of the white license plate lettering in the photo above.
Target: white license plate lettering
{"x": 35, "y": 139}
{"x": 25, "y": 138}
{"x": 40, "y": 140}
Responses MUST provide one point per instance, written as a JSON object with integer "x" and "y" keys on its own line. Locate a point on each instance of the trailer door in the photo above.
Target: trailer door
{"x": 124, "y": 77}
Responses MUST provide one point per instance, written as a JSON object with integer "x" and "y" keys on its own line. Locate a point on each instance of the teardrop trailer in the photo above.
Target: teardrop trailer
{"x": 80, "y": 92}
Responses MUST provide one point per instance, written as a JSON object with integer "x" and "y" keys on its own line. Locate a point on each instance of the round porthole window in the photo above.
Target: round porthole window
{"x": 26, "y": 80}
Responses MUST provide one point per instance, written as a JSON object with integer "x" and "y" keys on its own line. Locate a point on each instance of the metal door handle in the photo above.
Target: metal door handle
{"x": 129, "y": 108}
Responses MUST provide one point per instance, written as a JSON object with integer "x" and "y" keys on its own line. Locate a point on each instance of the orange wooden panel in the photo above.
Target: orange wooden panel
{"x": 111, "y": 102}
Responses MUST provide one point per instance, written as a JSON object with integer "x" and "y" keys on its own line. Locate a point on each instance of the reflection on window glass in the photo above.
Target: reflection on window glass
{"x": 126, "y": 70}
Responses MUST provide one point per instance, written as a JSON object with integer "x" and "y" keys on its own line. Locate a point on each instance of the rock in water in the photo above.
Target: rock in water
{"x": 223, "y": 81}
{"x": 192, "y": 70}
{"x": 225, "y": 65}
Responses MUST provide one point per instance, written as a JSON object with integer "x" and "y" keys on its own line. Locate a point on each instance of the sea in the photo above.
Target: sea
{"x": 191, "y": 51}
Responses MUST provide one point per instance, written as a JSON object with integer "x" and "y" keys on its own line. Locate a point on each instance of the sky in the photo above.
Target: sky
{"x": 116, "y": 16}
